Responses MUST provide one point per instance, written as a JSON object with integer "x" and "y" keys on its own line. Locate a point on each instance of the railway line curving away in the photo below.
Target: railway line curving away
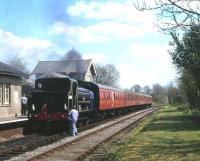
{"x": 75, "y": 148}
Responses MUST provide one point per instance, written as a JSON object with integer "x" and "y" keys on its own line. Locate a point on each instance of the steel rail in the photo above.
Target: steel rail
{"x": 150, "y": 110}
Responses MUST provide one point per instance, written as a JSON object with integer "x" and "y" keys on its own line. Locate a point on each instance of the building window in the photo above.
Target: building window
{"x": 88, "y": 78}
{"x": 1, "y": 91}
{"x": 4, "y": 94}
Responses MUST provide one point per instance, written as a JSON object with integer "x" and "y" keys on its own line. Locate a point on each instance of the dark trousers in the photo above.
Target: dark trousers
{"x": 23, "y": 110}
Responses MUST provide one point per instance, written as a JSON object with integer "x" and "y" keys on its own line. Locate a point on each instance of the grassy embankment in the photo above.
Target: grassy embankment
{"x": 169, "y": 135}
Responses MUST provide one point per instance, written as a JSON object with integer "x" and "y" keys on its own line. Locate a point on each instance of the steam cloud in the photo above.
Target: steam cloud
{"x": 75, "y": 55}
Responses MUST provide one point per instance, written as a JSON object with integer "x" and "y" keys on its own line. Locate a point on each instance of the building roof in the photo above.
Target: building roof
{"x": 10, "y": 70}
{"x": 64, "y": 66}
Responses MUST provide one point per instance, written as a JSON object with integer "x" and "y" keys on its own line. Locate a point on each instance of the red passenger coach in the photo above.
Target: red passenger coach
{"x": 105, "y": 98}
{"x": 108, "y": 98}
{"x": 118, "y": 97}
{"x": 131, "y": 99}
{"x": 111, "y": 98}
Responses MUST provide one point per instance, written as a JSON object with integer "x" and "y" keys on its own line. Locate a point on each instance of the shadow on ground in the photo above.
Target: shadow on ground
{"x": 175, "y": 145}
{"x": 173, "y": 123}
{"x": 167, "y": 147}
{"x": 168, "y": 111}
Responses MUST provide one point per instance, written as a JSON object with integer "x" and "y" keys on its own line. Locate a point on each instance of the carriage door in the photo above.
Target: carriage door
{"x": 113, "y": 99}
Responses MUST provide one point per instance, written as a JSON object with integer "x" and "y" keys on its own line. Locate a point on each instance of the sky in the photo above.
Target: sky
{"x": 109, "y": 32}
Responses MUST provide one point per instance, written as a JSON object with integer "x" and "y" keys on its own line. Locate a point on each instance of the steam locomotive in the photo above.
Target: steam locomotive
{"x": 50, "y": 103}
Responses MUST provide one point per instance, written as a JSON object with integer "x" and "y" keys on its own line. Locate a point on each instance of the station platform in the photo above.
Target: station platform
{"x": 12, "y": 122}
{"x": 13, "y": 119}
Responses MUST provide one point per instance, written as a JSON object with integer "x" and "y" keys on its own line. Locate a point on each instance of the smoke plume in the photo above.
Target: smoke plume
{"x": 73, "y": 55}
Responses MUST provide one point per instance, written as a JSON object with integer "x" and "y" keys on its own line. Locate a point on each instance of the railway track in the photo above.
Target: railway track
{"x": 29, "y": 143}
{"x": 16, "y": 147}
{"x": 75, "y": 148}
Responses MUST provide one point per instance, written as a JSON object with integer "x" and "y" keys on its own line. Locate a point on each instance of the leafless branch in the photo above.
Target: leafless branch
{"x": 172, "y": 14}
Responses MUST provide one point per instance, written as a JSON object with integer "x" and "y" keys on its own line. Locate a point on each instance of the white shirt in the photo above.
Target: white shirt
{"x": 74, "y": 115}
{"x": 24, "y": 100}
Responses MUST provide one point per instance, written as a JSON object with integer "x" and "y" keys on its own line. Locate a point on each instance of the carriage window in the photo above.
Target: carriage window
{"x": 4, "y": 94}
{"x": 105, "y": 96}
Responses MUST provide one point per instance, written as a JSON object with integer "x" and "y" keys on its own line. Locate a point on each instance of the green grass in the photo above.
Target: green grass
{"x": 170, "y": 135}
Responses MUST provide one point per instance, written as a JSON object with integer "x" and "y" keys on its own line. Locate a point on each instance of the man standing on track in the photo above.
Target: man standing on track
{"x": 73, "y": 118}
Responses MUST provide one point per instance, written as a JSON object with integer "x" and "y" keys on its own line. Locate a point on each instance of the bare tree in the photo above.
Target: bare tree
{"x": 107, "y": 75}
{"x": 147, "y": 90}
{"x": 136, "y": 88}
{"x": 172, "y": 14}
{"x": 159, "y": 94}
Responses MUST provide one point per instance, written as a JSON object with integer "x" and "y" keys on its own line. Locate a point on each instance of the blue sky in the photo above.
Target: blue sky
{"x": 111, "y": 32}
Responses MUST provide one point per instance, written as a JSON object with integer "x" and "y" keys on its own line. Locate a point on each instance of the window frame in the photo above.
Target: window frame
{"x": 5, "y": 94}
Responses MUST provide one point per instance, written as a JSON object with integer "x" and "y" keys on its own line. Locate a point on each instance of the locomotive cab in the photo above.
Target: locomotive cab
{"x": 52, "y": 100}
{"x": 85, "y": 100}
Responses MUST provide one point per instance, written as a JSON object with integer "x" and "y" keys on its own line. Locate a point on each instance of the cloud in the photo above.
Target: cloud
{"x": 110, "y": 10}
{"x": 96, "y": 57}
{"x": 112, "y": 21}
{"x": 131, "y": 74}
{"x": 109, "y": 21}
{"x": 27, "y": 48}
{"x": 149, "y": 51}
{"x": 146, "y": 64}
{"x": 152, "y": 57}
{"x": 101, "y": 32}
{"x": 77, "y": 34}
